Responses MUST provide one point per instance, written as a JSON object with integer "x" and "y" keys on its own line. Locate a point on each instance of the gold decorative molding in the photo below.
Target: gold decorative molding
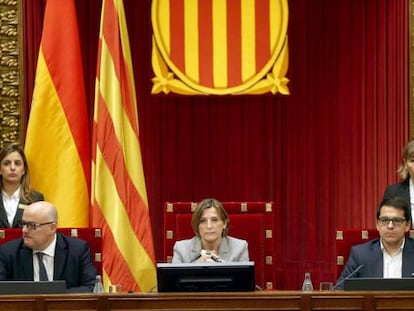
{"x": 11, "y": 71}
{"x": 411, "y": 68}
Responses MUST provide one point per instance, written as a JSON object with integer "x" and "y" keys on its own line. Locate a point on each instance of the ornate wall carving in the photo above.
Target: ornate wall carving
{"x": 411, "y": 71}
{"x": 11, "y": 70}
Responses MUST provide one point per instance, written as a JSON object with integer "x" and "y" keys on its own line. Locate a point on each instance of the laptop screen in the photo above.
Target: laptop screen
{"x": 232, "y": 276}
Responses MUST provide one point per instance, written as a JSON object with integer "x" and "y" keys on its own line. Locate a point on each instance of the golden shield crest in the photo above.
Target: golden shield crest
{"x": 220, "y": 46}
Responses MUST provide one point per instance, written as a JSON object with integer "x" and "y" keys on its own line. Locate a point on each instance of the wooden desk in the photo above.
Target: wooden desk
{"x": 266, "y": 300}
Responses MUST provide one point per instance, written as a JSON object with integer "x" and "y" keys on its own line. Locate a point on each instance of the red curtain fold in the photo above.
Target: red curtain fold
{"x": 324, "y": 154}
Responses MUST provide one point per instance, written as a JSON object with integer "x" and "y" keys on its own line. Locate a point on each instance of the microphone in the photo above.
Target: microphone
{"x": 348, "y": 277}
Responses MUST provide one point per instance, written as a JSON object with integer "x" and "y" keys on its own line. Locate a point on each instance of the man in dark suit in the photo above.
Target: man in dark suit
{"x": 390, "y": 256}
{"x": 63, "y": 258}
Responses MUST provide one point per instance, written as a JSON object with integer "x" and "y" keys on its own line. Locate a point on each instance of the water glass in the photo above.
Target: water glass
{"x": 325, "y": 286}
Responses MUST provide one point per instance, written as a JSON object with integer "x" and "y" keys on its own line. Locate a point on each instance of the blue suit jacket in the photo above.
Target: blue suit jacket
{"x": 73, "y": 263}
{"x": 231, "y": 249}
{"x": 370, "y": 255}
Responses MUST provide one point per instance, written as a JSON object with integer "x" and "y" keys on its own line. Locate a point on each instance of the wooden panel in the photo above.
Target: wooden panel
{"x": 333, "y": 303}
{"x": 81, "y": 304}
{"x": 18, "y": 304}
{"x": 394, "y": 303}
{"x": 252, "y": 301}
{"x": 216, "y": 301}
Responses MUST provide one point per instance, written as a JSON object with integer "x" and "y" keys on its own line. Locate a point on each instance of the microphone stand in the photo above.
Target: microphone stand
{"x": 348, "y": 276}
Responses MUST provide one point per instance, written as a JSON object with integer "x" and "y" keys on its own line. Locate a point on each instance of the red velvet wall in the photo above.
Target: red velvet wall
{"x": 323, "y": 154}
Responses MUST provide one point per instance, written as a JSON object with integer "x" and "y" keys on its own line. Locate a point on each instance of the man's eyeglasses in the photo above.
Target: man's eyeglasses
{"x": 396, "y": 221}
{"x": 33, "y": 225}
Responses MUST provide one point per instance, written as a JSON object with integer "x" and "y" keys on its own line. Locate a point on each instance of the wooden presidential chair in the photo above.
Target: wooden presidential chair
{"x": 346, "y": 238}
{"x": 252, "y": 221}
{"x": 91, "y": 235}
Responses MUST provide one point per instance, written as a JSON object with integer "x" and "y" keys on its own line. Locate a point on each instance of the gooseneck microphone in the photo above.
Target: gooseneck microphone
{"x": 348, "y": 276}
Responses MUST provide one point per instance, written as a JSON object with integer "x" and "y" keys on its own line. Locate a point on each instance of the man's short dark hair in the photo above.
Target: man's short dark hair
{"x": 398, "y": 203}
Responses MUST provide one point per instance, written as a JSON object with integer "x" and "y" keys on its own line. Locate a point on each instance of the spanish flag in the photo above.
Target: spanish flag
{"x": 119, "y": 198}
{"x": 57, "y": 140}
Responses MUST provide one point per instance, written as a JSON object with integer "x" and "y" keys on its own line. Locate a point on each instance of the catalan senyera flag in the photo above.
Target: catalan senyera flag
{"x": 118, "y": 196}
{"x": 57, "y": 139}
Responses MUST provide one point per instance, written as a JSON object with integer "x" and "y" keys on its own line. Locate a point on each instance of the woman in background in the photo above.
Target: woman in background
{"x": 211, "y": 243}
{"x": 405, "y": 188}
{"x": 15, "y": 186}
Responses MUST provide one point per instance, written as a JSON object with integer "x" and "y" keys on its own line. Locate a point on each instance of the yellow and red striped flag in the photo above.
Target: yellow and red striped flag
{"x": 119, "y": 199}
{"x": 57, "y": 139}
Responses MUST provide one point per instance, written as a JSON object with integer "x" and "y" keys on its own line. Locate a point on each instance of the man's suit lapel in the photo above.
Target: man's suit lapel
{"x": 61, "y": 253}
{"x": 408, "y": 259}
{"x": 26, "y": 256}
{"x": 377, "y": 262}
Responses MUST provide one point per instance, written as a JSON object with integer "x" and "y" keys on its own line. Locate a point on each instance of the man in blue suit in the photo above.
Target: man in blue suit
{"x": 63, "y": 258}
{"x": 390, "y": 256}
